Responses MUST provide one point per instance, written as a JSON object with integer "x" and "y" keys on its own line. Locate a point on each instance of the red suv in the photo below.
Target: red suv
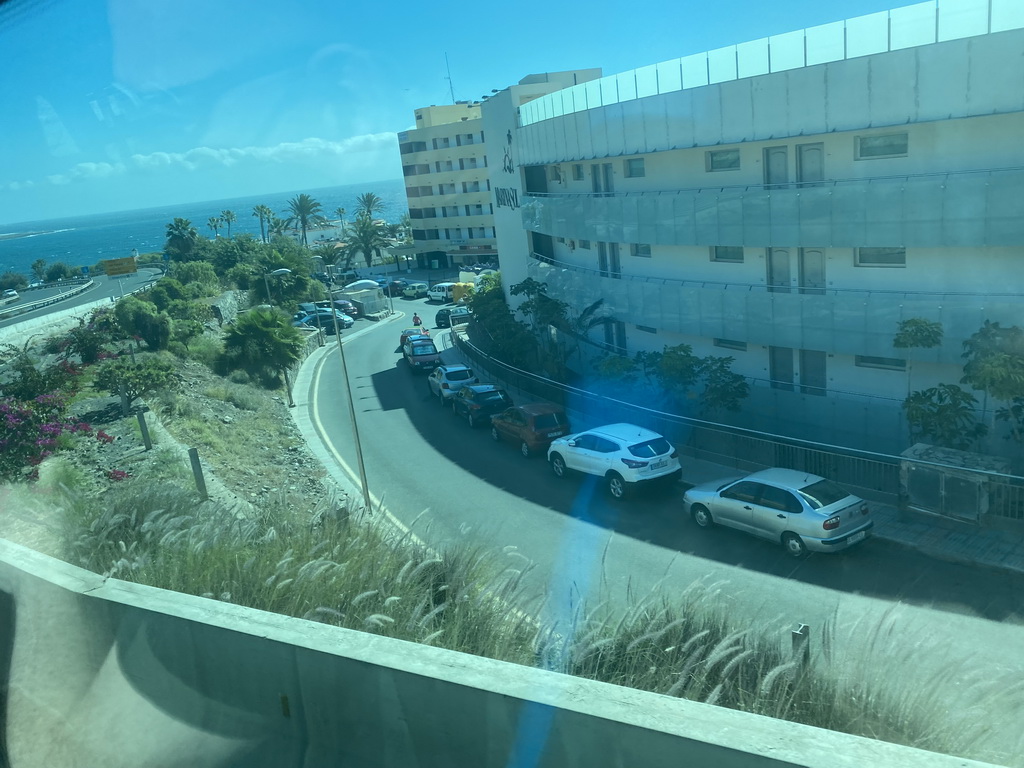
{"x": 533, "y": 426}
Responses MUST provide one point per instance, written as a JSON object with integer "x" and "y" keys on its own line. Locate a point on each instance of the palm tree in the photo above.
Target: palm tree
{"x": 214, "y": 223}
{"x": 366, "y": 237}
{"x": 369, "y": 204}
{"x": 228, "y": 217}
{"x": 276, "y": 226}
{"x": 263, "y": 342}
{"x": 181, "y": 238}
{"x": 264, "y": 214}
{"x": 305, "y": 212}
{"x": 406, "y": 224}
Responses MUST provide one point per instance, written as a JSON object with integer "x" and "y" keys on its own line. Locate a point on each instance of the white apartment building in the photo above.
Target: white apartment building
{"x": 788, "y": 202}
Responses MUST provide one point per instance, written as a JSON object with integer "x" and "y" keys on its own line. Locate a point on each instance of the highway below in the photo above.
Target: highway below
{"x": 449, "y": 483}
{"x": 102, "y": 288}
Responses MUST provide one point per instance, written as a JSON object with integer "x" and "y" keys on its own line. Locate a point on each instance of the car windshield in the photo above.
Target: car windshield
{"x": 823, "y": 493}
{"x": 460, "y": 374}
{"x": 651, "y": 448}
{"x": 549, "y": 420}
{"x": 490, "y": 397}
{"x": 424, "y": 349}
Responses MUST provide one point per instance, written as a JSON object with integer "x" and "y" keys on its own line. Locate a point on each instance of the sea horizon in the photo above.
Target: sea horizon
{"x": 84, "y": 240}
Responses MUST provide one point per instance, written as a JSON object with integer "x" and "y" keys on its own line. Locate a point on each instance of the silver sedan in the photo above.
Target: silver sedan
{"x": 803, "y": 512}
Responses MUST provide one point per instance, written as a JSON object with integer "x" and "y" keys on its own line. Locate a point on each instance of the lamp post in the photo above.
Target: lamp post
{"x": 276, "y": 273}
{"x": 352, "y": 414}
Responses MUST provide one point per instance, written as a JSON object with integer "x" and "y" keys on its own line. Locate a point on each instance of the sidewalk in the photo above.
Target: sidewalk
{"x": 945, "y": 539}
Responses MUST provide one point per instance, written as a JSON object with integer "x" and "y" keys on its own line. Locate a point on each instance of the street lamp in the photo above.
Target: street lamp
{"x": 276, "y": 273}
{"x": 352, "y": 413}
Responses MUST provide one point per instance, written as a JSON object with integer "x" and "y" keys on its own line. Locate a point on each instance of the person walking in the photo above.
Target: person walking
{"x": 416, "y": 320}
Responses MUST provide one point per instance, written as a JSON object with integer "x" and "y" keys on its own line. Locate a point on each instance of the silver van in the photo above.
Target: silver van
{"x": 442, "y": 292}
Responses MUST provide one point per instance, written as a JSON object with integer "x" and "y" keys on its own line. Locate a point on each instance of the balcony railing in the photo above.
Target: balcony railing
{"x": 845, "y": 321}
{"x": 965, "y": 208}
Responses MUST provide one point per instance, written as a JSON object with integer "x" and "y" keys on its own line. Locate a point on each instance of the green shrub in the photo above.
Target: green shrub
{"x": 240, "y": 377}
{"x": 148, "y": 375}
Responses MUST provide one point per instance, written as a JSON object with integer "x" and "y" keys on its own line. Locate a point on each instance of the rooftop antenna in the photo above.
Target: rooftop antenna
{"x": 451, "y": 88}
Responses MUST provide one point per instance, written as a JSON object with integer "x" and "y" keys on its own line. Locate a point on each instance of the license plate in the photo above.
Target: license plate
{"x": 859, "y": 536}
{"x": 553, "y": 434}
{"x": 659, "y": 464}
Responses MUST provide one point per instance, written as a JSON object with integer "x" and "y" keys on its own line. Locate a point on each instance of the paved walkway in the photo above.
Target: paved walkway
{"x": 941, "y": 538}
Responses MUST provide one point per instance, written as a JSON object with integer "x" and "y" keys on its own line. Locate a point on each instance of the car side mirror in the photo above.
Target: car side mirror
{"x": 571, "y": 443}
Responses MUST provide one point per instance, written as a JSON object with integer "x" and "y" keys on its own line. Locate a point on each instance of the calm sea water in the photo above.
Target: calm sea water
{"x": 85, "y": 240}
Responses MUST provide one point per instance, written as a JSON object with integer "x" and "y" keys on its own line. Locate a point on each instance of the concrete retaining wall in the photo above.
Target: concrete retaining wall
{"x": 102, "y": 672}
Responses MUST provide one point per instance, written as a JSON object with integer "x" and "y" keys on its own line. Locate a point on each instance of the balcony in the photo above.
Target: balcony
{"x": 976, "y": 208}
{"x": 845, "y": 321}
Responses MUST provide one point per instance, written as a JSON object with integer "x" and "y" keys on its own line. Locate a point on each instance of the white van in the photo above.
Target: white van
{"x": 441, "y": 292}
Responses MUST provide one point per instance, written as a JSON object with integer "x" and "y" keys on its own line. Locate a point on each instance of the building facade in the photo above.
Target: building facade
{"x": 789, "y": 202}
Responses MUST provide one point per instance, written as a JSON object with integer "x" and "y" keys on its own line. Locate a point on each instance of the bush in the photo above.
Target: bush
{"x": 264, "y": 344}
{"x": 30, "y": 432}
{"x": 137, "y": 379}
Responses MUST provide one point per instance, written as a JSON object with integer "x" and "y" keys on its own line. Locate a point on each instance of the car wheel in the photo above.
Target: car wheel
{"x": 524, "y": 448}
{"x": 794, "y": 544}
{"x": 702, "y": 516}
{"x": 495, "y": 435}
{"x": 616, "y": 485}
{"x": 558, "y": 465}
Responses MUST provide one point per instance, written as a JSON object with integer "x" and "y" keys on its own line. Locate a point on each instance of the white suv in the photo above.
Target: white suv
{"x": 447, "y": 380}
{"x": 623, "y": 454}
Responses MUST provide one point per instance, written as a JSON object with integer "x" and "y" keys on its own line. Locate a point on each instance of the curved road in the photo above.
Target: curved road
{"x": 435, "y": 474}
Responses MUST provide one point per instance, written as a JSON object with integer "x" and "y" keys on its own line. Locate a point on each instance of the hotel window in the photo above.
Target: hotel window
{"x": 880, "y": 257}
{"x": 646, "y": 329}
{"x": 467, "y": 163}
{"x": 642, "y": 250}
{"x": 474, "y": 210}
{"x": 732, "y": 254}
{"x": 885, "y": 363}
{"x": 426, "y": 191}
{"x": 722, "y": 160}
{"x": 635, "y": 168}
{"x": 412, "y": 192}
{"x": 471, "y": 186}
{"x": 442, "y": 143}
{"x": 585, "y": 244}
{"x": 885, "y": 145}
{"x": 449, "y": 210}
{"x": 446, "y": 189}
{"x": 464, "y": 138}
{"x": 577, "y": 172}
{"x": 739, "y": 346}
{"x": 443, "y": 165}
{"x": 555, "y": 173}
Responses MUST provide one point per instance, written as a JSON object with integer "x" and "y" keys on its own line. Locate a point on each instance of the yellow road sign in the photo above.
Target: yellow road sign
{"x": 114, "y": 267}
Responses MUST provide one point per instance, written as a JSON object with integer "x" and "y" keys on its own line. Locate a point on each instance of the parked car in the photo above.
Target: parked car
{"x": 801, "y": 511}
{"x": 415, "y": 290}
{"x": 447, "y": 380}
{"x": 441, "y": 292}
{"x": 407, "y": 332}
{"x": 420, "y": 353}
{"x": 533, "y": 426}
{"x": 395, "y": 287}
{"x": 447, "y": 317}
{"x": 342, "y": 305}
{"x": 625, "y": 455}
{"x": 325, "y": 318}
{"x": 478, "y": 402}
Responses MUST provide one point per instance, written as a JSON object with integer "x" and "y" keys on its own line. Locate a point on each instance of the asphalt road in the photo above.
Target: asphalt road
{"x": 103, "y": 287}
{"x": 448, "y": 482}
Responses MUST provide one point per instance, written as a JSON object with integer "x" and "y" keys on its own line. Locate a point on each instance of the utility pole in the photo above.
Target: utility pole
{"x": 451, "y": 88}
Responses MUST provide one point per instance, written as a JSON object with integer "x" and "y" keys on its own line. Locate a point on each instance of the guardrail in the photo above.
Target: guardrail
{"x": 21, "y": 309}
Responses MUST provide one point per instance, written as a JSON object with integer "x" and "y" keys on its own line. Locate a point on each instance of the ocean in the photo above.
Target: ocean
{"x": 84, "y": 240}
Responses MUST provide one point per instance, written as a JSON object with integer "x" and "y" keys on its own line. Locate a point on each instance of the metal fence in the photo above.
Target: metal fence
{"x": 872, "y": 475}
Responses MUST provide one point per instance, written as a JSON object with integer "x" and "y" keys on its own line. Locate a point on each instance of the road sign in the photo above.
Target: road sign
{"x": 114, "y": 267}
{"x": 85, "y": 270}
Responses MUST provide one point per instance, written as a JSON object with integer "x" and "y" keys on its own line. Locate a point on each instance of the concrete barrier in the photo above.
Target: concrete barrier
{"x": 103, "y": 672}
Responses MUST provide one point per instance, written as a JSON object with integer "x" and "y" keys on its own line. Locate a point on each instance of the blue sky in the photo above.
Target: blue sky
{"x": 127, "y": 104}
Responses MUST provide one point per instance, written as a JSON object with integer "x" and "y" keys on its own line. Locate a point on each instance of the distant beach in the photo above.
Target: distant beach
{"x": 16, "y": 235}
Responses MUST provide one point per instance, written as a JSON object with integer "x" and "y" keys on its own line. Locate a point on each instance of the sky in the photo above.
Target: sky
{"x": 128, "y": 104}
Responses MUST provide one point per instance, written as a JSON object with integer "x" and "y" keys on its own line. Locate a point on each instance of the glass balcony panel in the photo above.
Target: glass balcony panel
{"x": 655, "y": 132}
{"x": 568, "y": 102}
{"x": 884, "y": 214}
{"x": 922, "y": 213}
{"x": 685, "y": 219}
{"x": 787, "y": 51}
{"x": 712, "y": 309}
{"x": 785, "y": 320}
{"x": 593, "y": 88}
{"x": 866, "y": 35}
{"x": 722, "y": 64}
{"x": 634, "y": 127}
{"x": 695, "y": 70}
{"x": 599, "y": 132}
{"x": 670, "y": 76}
{"x": 706, "y": 217}
{"x": 912, "y": 25}
{"x": 679, "y": 113}
{"x": 646, "y": 81}
{"x": 1007, "y": 14}
{"x": 609, "y": 90}
{"x": 1005, "y": 205}
{"x": 752, "y": 58}
{"x": 730, "y": 219}
{"x": 586, "y": 144}
{"x": 554, "y": 101}
{"x": 628, "y": 229}
{"x": 962, "y": 18}
{"x": 646, "y": 220}
{"x": 615, "y": 129}
{"x": 815, "y": 211}
{"x": 826, "y": 43}
{"x": 756, "y": 216}
{"x": 665, "y": 219}
{"x": 849, "y": 221}
{"x": 626, "y": 82}
{"x": 785, "y": 218}
{"x": 817, "y": 318}
{"x": 964, "y": 213}
{"x": 690, "y": 308}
